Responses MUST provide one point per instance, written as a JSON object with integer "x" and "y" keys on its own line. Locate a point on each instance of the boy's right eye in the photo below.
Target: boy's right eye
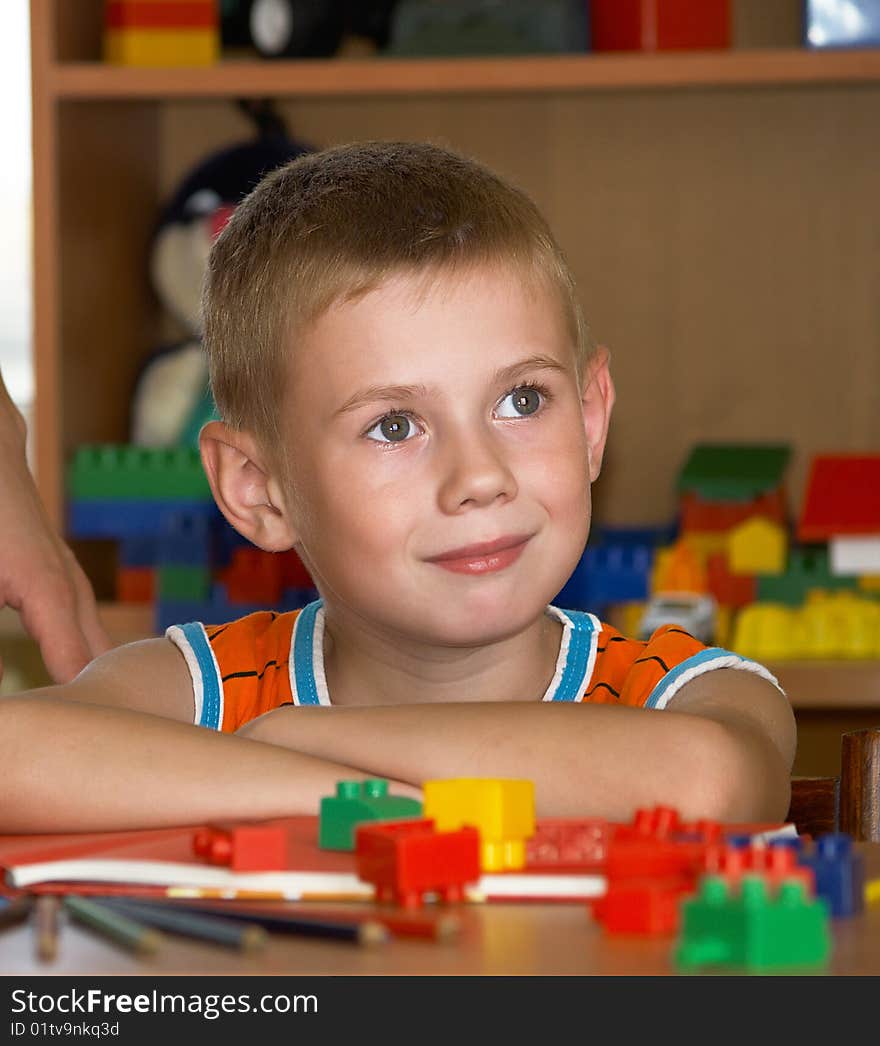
{"x": 392, "y": 428}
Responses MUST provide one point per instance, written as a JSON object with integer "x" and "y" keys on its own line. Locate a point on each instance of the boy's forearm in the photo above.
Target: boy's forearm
{"x": 68, "y": 766}
{"x": 573, "y": 754}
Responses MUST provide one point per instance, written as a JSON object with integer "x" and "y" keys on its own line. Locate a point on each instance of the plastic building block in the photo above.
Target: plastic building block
{"x": 502, "y": 810}
{"x": 842, "y": 497}
{"x": 753, "y": 927}
{"x": 730, "y": 590}
{"x": 774, "y": 864}
{"x": 356, "y": 802}
{"x": 606, "y": 574}
{"x": 642, "y": 906}
{"x": 138, "y": 551}
{"x": 807, "y": 569}
{"x": 181, "y": 582}
{"x": 147, "y": 33}
{"x": 123, "y": 518}
{"x": 186, "y": 539}
{"x": 701, "y": 516}
{"x": 404, "y": 860}
{"x": 243, "y": 846}
{"x": 840, "y": 873}
{"x": 659, "y": 25}
{"x": 733, "y": 472}
{"x": 757, "y": 546}
{"x": 854, "y": 556}
{"x": 568, "y": 843}
{"x": 253, "y": 576}
{"x": 217, "y": 607}
{"x": 137, "y": 474}
{"x": 135, "y": 584}
{"x": 679, "y": 568}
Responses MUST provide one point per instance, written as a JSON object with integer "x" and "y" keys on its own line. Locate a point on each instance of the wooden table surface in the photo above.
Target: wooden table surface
{"x": 495, "y": 939}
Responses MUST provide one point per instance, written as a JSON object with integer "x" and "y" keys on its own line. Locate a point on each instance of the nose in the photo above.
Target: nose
{"x": 476, "y": 472}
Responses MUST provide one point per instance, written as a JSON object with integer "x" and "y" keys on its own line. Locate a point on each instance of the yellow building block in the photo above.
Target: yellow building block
{"x": 870, "y": 582}
{"x": 757, "y": 546}
{"x": 502, "y": 810}
{"x": 768, "y": 632}
{"x": 707, "y": 542}
{"x": 161, "y": 47}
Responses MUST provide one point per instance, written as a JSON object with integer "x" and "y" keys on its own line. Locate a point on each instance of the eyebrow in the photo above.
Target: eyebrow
{"x": 378, "y": 393}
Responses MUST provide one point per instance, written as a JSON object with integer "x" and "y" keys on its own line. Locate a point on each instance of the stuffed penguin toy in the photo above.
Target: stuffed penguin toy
{"x": 172, "y": 399}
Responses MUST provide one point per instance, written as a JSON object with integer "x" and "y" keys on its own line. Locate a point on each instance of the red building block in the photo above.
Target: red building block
{"x": 406, "y": 859}
{"x": 731, "y": 590}
{"x": 568, "y": 843}
{"x": 293, "y": 571}
{"x": 253, "y": 576}
{"x": 659, "y": 25}
{"x": 720, "y": 516}
{"x": 243, "y": 846}
{"x": 150, "y": 14}
{"x": 135, "y": 584}
{"x": 842, "y": 497}
{"x": 642, "y": 906}
{"x": 773, "y": 863}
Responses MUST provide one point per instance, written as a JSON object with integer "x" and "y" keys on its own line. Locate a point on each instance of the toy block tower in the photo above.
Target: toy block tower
{"x": 161, "y": 32}
{"x": 502, "y": 810}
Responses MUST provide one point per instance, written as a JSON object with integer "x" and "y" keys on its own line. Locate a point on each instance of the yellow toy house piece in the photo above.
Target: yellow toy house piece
{"x": 502, "y": 810}
{"x": 757, "y": 546}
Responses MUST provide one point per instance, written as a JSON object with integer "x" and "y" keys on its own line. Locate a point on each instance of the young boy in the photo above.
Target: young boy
{"x": 410, "y": 400}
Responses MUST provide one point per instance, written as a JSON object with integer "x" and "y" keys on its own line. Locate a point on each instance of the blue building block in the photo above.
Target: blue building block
{"x": 118, "y": 518}
{"x": 219, "y": 609}
{"x": 187, "y": 539}
{"x": 839, "y": 871}
{"x": 628, "y": 536}
{"x": 138, "y": 552}
{"x": 606, "y": 574}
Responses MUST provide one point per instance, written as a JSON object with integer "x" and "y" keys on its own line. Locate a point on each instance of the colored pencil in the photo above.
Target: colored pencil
{"x": 215, "y": 928}
{"x": 340, "y": 927}
{"x": 118, "y": 928}
{"x": 219, "y": 894}
{"x": 441, "y": 927}
{"x": 45, "y": 921}
{"x": 14, "y": 911}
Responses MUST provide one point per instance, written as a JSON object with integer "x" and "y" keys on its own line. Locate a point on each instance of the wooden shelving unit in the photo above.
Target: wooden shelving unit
{"x": 720, "y": 212}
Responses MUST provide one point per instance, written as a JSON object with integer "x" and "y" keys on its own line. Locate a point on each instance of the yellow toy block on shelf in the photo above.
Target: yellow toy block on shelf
{"x": 501, "y": 809}
{"x": 829, "y": 625}
{"x": 161, "y": 47}
{"x": 757, "y": 546}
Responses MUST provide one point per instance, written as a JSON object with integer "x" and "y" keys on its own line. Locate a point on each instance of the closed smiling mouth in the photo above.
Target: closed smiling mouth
{"x": 483, "y": 557}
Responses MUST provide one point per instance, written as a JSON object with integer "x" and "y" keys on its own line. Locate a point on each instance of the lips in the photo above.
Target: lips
{"x": 483, "y": 558}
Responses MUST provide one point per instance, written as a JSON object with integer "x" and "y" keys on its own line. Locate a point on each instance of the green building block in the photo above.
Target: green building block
{"x": 184, "y": 582}
{"x": 355, "y": 802}
{"x": 752, "y": 927}
{"x": 137, "y": 473}
{"x": 733, "y": 472}
{"x": 807, "y": 568}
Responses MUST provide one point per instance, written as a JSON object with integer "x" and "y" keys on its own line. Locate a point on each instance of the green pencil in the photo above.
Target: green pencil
{"x": 116, "y": 927}
{"x": 233, "y": 934}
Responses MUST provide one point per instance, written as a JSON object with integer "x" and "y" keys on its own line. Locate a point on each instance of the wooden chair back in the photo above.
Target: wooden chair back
{"x": 848, "y": 803}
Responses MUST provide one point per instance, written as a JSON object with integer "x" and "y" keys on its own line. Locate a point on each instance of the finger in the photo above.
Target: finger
{"x": 87, "y": 612}
{"x": 49, "y": 615}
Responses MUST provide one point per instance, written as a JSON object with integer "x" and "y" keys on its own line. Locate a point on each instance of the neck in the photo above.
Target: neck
{"x": 365, "y": 667}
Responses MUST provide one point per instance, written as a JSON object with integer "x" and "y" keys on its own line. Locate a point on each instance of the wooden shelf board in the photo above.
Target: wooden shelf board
{"x": 534, "y": 73}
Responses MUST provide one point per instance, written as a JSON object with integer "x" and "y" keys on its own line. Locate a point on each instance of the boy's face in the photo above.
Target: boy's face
{"x": 440, "y": 490}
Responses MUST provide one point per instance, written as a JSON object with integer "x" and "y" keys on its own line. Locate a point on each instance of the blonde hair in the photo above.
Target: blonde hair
{"x": 332, "y": 225}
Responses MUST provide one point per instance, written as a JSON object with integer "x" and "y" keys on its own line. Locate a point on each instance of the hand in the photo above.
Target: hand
{"x": 39, "y": 575}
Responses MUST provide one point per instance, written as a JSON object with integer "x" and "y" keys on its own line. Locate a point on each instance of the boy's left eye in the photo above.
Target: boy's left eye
{"x": 520, "y": 402}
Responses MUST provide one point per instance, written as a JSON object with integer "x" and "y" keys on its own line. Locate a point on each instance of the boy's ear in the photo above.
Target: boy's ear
{"x": 246, "y": 491}
{"x": 597, "y": 399}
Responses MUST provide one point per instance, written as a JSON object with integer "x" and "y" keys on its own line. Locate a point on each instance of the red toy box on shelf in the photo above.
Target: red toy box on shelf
{"x": 659, "y": 25}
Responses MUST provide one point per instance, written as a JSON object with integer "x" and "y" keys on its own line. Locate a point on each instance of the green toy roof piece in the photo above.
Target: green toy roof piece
{"x": 733, "y": 471}
{"x": 356, "y": 802}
